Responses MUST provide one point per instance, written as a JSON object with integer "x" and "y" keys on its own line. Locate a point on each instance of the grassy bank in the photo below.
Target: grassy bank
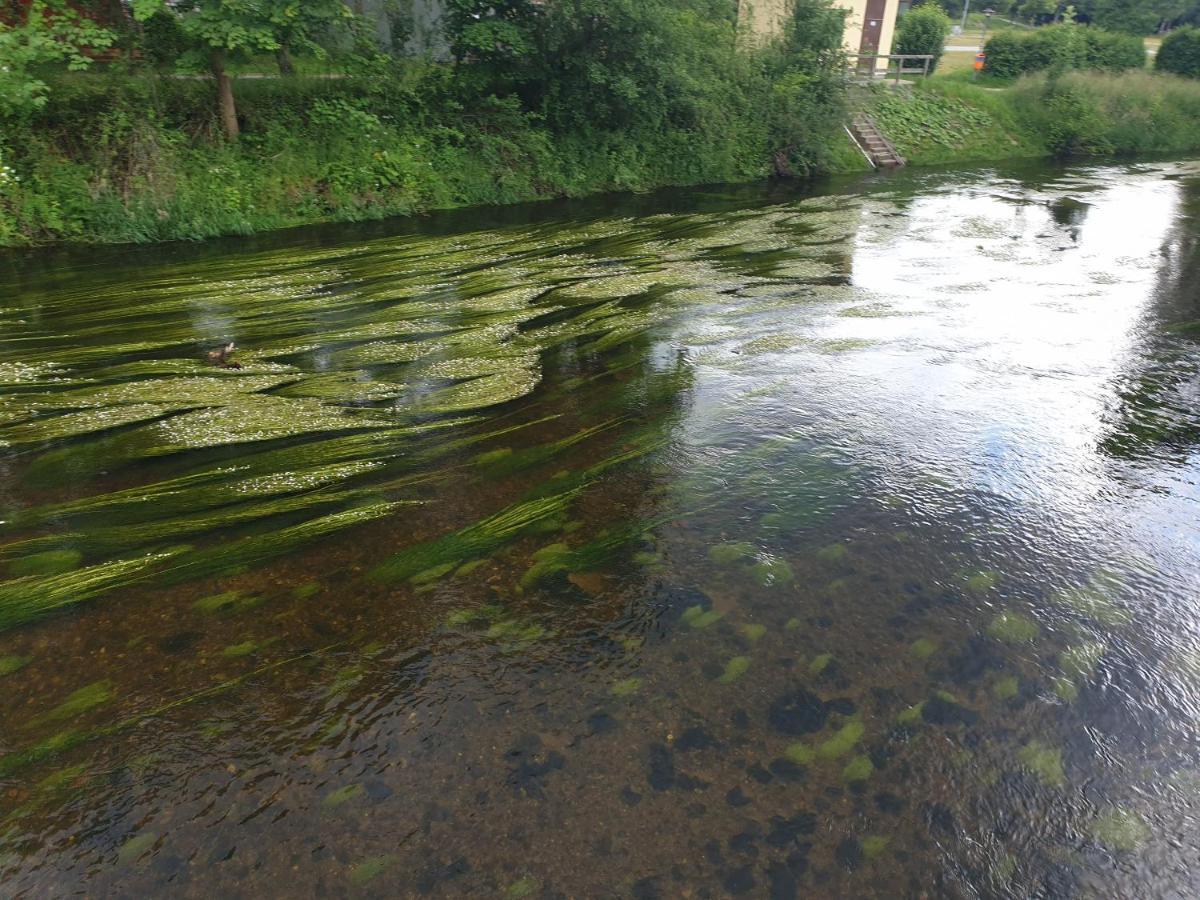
{"x": 136, "y": 159}
{"x": 1074, "y": 114}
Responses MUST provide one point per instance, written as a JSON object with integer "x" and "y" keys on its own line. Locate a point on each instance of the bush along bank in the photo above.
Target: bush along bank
{"x": 670, "y": 98}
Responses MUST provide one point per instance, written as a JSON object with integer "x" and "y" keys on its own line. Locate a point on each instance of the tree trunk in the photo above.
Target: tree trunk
{"x": 284, "y": 57}
{"x": 225, "y": 96}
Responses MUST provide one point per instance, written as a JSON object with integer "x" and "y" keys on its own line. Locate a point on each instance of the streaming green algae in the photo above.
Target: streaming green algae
{"x": 626, "y": 687}
{"x": 11, "y": 664}
{"x": 1044, "y": 761}
{"x": 699, "y": 617}
{"x": 1013, "y": 628}
{"x": 135, "y": 848}
{"x": 734, "y": 669}
{"x": 366, "y": 871}
{"x": 1120, "y": 829}
{"x": 86, "y": 698}
{"x": 843, "y": 740}
{"x": 25, "y": 599}
{"x": 858, "y": 769}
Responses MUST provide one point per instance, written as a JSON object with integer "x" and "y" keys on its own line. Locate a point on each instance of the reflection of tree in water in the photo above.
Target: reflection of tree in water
{"x": 1159, "y": 398}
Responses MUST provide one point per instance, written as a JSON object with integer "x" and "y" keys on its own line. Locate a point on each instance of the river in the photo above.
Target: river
{"x": 820, "y": 541}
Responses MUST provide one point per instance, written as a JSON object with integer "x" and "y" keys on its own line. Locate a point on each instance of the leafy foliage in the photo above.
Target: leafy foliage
{"x": 923, "y": 31}
{"x": 51, "y": 31}
{"x": 1062, "y": 47}
{"x": 1180, "y": 53}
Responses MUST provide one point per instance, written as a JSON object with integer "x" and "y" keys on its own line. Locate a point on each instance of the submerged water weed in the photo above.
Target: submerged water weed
{"x": 1044, "y": 761}
{"x": 772, "y": 572}
{"x": 369, "y": 869}
{"x": 11, "y": 664}
{"x": 626, "y": 687}
{"x": 1120, "y": 829}
{"x": 98, "y": 693}
{"x": 753, "y": 632}
{"x": 135, "y": 848}
{"x": 1013, "y": 628}
{"x": 858, "y": 769}
{"x": 734, "y": 669}
{"x": 922, "y": 648}
{"x": 228, "y": 602}
{"x": 1006, "y": 688}
{"x": 1095, "y": 601}
{"x": 820, "y": 663}
{"x": 480, "y": 539}
{"x": 522, "y": 888}
{"x": 1080, "y": 662}
{"x": 48, "y": 562}
{"x": 342, "y": 795}
{"x": 843, "y": 740}
{"x": 874, "y": 845}
{"x": 727, "y": 554}
{"x": 25, "y": 599}
{"x": 982, "y": 582}
{"x": 245, "y": 648}
{"x": 801, "y": 754}
{"x": 699, "y": 617}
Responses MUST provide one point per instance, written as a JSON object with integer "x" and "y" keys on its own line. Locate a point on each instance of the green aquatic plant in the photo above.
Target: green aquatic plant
{"x": 25, "y": 599}
{"x": 522, "y": 888}
{"x": 228, "y": 602}
{"x": 369, "y": 869}
{"x": 245, "y": 648}
{"x": 799, "y": 753}
{"x": 11, "y": 664}
{"x": 769, "y": 572}
{"x": 342, "y": 795}
{"x": 922, "y": 648}
{"x": 981, "y": 582}
{"x": 480, "y": 539}
{"x": 792, "y": 624}
{"x": 820, "y": 663}
{"x": 1044, "y": 761}
{"x": 48, "y": 562}
{"x": 463, "y": 617}
{"x": 134, "y": 848}
{"x": 843, "y": 740}
{"x": 833, "y": 553}
{"x": 699, "y": 617}
{"x": 727, "y": 554}
{"x": 98, "y": 693}
{"x": 752, "y": 631}
{"x": 1094, "y": 601}
{"x": 1080, "y": 662}
{"x": 734, "y": 669}
{"x": 1065, "y": 689}
{"x": 1120, "y": 829}
{"x": 1013, "y": 628}
{"x": 874, "y": 845}
{"x": 858, "y": 769}
{"x": 626, "y": 687}
{"x": 912, "y": 714}
{"x": 1006, "y": 688}
{"x": 224, "y": 558}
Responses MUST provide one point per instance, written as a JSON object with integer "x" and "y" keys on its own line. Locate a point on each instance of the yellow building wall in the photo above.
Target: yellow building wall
{"x": 761, "y": 20}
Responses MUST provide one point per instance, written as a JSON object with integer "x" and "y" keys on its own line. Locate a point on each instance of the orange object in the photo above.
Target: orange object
{"x": 980, "y": 58}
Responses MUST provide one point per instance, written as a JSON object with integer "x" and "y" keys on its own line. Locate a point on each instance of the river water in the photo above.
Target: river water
{"x": 822, "y": 542}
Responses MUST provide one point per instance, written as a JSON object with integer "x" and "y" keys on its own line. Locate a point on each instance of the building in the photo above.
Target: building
{"x": 870, "y": 24}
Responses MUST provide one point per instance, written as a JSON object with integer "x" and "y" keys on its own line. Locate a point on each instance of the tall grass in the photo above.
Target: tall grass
{"x": 1107, "y": 114}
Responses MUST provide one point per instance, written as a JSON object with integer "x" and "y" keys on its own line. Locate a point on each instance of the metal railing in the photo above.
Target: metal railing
{"x": 872, "y": 70}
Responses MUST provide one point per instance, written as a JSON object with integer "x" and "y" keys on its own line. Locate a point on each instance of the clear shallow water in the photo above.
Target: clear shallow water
{"x": 715, "y": 543}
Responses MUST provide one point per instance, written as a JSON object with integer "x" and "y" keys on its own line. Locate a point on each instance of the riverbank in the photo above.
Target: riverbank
{"x": 1077, "y": 114}
{"x": 136, "y": 159}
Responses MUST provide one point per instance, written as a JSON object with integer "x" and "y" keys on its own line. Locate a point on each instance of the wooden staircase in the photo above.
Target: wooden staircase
{"x": 871, "y": 141}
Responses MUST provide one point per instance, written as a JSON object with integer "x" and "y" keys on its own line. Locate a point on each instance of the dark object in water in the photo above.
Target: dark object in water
{"x": 220, "y": 357}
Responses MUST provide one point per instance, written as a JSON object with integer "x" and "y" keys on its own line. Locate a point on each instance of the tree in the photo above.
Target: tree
{"x": 50, "y": 31}
{"x": 219, "y": 28}
{"x": 923, "y": 32}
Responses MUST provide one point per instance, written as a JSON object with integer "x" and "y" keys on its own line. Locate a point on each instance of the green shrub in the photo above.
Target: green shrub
{"x": 1180, "y": 53}
{"x": 1060, "y": 48}
{"x": 923, "y": 31}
